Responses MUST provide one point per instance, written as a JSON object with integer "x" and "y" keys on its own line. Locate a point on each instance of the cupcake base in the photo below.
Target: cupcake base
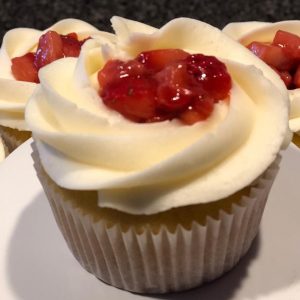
{"x": 167, "y": 252}
{"x": 13, "y": 138}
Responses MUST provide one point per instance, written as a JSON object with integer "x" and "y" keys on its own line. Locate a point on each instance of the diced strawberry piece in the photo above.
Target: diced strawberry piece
{"x": 50, "y": 48}
{"x": 71, "y": 45}
{"x": 173, "y": 99}
{"x": 157, "y": 59}
{"x": 110, "y": 72}
{"x": 286, "y": 78}
{"x": 174, "y": 91}
{"x": 296, "y": 78}
{"x": 211, "y": 74}
{"x": 190, "y": 116}
{"x": 132, "y": 97}
{"x": 174, "y": 75}
{"x": 289, "y": 42}
{"x": 272, "y": 55}
{"x": 204, "y": 105}
{"x": 23, "y": 68}
{"x": 200, "y": 110}
{"x": 114, "y": 70}
{"x": 72, "y": 35}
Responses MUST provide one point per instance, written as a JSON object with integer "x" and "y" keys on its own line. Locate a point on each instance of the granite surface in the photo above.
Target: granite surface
{"x": 43, "y": 13}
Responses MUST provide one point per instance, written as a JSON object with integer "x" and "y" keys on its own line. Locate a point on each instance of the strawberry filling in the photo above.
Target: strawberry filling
{"x": 51, "y": 47}
{"x": 161, "y": 85}
{"x": 283, "y": 55}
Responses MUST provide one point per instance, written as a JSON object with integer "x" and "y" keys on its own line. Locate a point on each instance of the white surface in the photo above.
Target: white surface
{"x": 35, "y": 263}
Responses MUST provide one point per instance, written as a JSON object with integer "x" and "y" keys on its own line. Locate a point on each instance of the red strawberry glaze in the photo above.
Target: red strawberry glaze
{"x": 51, "y": 46}
{"x": 283, "y": 55}
{"x": 161, "y": 85}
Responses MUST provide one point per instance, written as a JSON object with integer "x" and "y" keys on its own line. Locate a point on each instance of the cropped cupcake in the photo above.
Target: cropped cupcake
{"x": 278, "y": 45}
{"x": 23, "y": 52}
{"x": 157, "y": 152}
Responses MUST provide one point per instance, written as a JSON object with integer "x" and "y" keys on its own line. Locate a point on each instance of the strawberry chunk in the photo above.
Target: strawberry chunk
{"x": 132, "y": 97}
{"x": 274, "y": 56}
{"x": 114, "y": 70}
{"x": 296, "y": 78}
{"x": 211, "y": 74}
{"x": 286, "y": 78}
{"x": 173, "y": 100}
{"x": 71, "y": 45}
{"x": 204, "y": 105}
{"x": 23, "y": 68}
{"x": 289, "y": 42}
{"x": 50, "y": 48}
{"x": 174, "y": 92}
{"x": 157, "y": 59}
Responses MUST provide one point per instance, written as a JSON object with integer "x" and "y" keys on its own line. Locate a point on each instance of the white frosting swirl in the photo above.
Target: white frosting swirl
{"x": 14, "y": 94}
{"x": 149, "y": 168}
{"x": 247, "y": 32}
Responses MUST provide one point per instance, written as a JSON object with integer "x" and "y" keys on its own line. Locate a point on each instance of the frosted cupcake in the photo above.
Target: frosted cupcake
{"x": 278, "y": 45}
{"x": 23, "y": 52}
{"x": 155, "y": 191}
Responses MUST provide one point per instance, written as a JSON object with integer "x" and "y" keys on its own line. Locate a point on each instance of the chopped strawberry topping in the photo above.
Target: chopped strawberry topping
{"x": 23, "y": 68}
{"x": 51, "y": 46}
{"x": 282, "y": 54}
{"x": 133, "y": 97}
{"x": 274, "y": 56}
{"x": 70, "y": 45}
{"x": 211, "y": 73}
{"x": 289, "y": 42}
{"x": 157, "y": 59}
{"x": 164, "y": 84}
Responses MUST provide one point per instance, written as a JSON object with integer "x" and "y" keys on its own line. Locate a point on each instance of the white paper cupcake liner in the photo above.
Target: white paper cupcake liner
{"x": 11, "y": 140}
{"x": 160, "y": 262}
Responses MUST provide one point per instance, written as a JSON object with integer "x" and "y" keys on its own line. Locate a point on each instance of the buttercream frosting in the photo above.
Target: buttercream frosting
{"x": 14, "y": 94}
{"x": 247, "y": 32}
{"x": 149, "y": 168}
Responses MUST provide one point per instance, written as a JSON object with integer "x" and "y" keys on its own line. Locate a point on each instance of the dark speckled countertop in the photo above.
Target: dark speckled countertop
{"x": 41, "y": 14}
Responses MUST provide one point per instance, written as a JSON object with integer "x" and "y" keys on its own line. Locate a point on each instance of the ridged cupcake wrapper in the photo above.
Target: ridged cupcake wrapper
{"x": 12, "y": 141}
{"x": 162, "y": 262}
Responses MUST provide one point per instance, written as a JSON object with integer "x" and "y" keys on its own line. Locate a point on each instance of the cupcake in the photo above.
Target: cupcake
{"x": 277, "y": 44}
{"x": 23, "y": 52}
{"x": 157, "y": 152}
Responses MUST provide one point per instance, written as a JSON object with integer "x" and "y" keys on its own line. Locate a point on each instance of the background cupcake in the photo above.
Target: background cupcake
{"x": 277, "y": 44}
{"x": 23, "y": 52}
{"x": 132, "y": 199}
